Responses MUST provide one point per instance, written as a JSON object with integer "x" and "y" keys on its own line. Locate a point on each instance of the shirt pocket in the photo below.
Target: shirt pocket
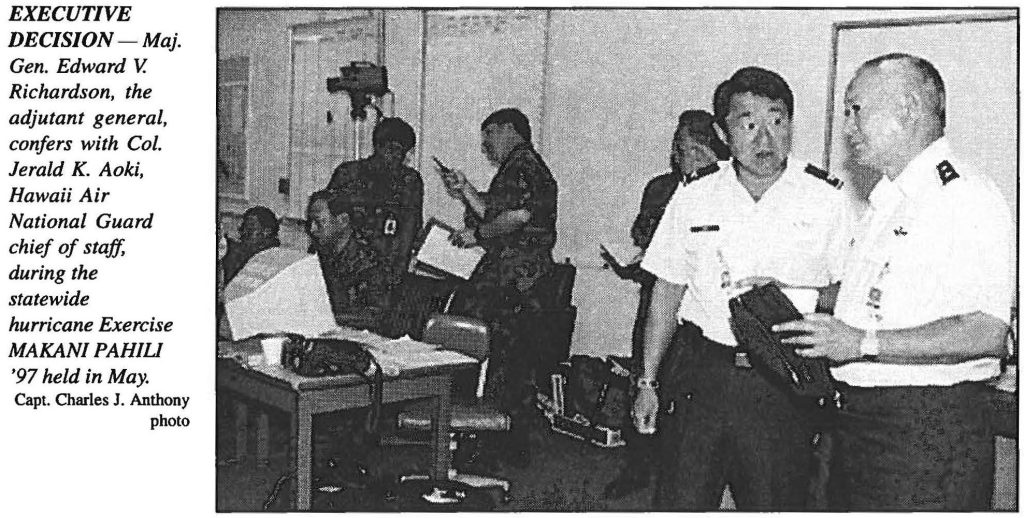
{"x": 916, "y": 280}
{"x": 801, "y": 250}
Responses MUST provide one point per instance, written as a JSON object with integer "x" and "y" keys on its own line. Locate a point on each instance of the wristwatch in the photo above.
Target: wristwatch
{"x": 869, "y": 345}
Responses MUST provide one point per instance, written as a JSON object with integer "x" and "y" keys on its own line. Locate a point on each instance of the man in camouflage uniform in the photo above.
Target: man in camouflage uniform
{"x": 514, "y": 221}
{"x": 356, "y": 276}
{"x": 390, "y": 191}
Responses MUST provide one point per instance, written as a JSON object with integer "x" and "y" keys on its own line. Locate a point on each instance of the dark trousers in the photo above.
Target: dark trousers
{"x": 641, "y": 450}
{"x": 642, "y": 308}
{"x": 729, "y": 425}
{"x": 509, "y": 383}
{"x": 913, "y": 449}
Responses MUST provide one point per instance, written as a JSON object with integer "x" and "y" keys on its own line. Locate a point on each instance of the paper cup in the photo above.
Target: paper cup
{"x": 272, "y": 349}
{"x": 805, "y": 299}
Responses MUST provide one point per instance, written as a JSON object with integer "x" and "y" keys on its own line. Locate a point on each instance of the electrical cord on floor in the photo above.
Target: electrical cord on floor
{"x": 274, "y": 493}
{"x": 361, "y": 480}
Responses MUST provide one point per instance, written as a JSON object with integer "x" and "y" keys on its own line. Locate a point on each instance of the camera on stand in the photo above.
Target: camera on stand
{"x": 361, "y": 80}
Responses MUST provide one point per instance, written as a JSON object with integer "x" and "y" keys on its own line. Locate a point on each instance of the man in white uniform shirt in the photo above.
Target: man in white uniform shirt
{"x": 924, "y": 306}
{"x": 763, "y": 215}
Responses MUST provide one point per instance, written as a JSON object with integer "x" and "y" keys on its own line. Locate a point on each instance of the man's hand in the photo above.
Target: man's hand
{"x": 823, "y": 336}
{"x": 629, "y": 272}
{"x": 455, "y": 182}
{"x": 645, "y": 411}
{"x": 464, "y": 238}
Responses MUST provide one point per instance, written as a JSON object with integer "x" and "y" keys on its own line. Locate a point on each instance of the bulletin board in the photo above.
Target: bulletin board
{"x": 977, "y": 56}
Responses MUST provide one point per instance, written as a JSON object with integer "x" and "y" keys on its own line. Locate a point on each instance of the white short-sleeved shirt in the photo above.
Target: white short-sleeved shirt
{"x": 714, "y": 234}
{"x": 934, "y": 243}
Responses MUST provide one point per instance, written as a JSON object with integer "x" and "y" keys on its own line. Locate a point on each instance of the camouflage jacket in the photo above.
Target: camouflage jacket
{"x": 356, "y": 281}
{"x": 652, "y": 207}
{"x": 391, "y": 205}
{"x": 518, "y": 258}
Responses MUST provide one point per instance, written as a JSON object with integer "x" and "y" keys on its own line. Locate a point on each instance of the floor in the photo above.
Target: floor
{"x": 564, "y": 475}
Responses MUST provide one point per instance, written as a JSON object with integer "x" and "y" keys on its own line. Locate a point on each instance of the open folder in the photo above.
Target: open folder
{"x": 438, "y": 257}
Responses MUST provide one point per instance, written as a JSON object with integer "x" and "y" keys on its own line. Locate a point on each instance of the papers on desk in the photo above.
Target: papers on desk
{"x": 355, "y": 335}
{"x": 396, "y": 355}
{"x": 393, "y": 355}
{"x": 411, "y": 360}
{"x": 437, "y": 256}
{"x": 279, "y": 290}
{"x": 404, "y": 345}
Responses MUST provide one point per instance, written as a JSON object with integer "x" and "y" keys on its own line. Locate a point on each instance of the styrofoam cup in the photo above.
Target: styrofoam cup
{"x": 272, "y": 349}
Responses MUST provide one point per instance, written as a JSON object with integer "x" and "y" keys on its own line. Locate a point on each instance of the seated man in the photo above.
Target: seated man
{"x": 257, "y": 232}
{"x": 356, "y": 276}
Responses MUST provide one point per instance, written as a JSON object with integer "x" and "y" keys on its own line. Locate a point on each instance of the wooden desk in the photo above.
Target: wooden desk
{"x": 304, "y": 397}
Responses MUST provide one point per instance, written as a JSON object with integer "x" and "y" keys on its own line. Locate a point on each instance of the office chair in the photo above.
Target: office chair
{"x": 470, "y": 337}
{"x": 547, "y": 331}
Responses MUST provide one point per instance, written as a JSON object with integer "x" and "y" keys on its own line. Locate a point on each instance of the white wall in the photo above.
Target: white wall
{"x": 263, "y": 36}
{"x": 615, "y": 83}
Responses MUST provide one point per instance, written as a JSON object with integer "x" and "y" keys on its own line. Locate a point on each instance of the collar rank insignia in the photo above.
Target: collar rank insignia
{"x": 946, "y": 172}
{"x": 824, "y": 176}
{"x": 702, "y": 172}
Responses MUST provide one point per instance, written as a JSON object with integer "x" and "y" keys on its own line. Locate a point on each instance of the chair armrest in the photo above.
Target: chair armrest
{"x": 456, "y": 322}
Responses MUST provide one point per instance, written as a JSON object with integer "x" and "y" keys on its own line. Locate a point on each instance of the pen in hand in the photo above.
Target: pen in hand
{"x": 453, "y": 180}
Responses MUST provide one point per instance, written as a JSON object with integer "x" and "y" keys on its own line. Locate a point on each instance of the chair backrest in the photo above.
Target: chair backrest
{"x": 554, "y": 290}
{"x": 564, "y": 279}
{"x": 466, "y": 335}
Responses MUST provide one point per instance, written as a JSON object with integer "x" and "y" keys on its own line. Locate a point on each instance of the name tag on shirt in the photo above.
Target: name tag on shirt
{"x": 705, "y": 228}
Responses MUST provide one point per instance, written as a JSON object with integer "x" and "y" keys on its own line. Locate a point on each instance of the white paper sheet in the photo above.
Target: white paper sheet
{"x": 440, "y": 253}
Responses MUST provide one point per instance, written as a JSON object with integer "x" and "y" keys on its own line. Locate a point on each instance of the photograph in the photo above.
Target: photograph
{"x": 554, "y": 259}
